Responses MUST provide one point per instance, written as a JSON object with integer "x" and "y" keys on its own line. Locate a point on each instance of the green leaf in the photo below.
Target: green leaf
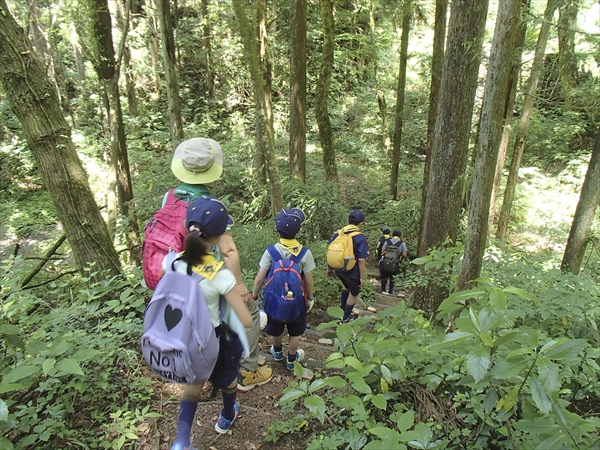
{"x": 69, "y": 365}
{"x": 344, "y": 332}
{"x": 497, "y": 299}
{"x": 505, "y": 369}
{"x": 511, "y": 398}
{"x": 48, "y": 365}
{"x": 21, "y": 372}
{"x": 358, "y": 383}
{"x": 566, "y": 350}
{"x": 292, "y": 394}
{"x": 85, "y": 354}
{"x": 379, "y": 401}
{"x": 523, "y": 294}
{"x": 475, "y": 319}
{"x": 335, "y": 381}
{"x": 7, "y": 328}
{"x": 539, "y": 395}
{"x": 487, "y": 339}
{"x": 10, "y": 387}
{"x": 316, "y": 405}
{"x": 354, "y": 363}
{"x": 5, "y": 444}
{"x": 316, "y": 385}
{"x": 548, "y": 372}
{"x": 478, "y": 361}
{"x": 419, "y": 261}
{"x": 459, "y": 297}
{"x": 423, "y": 436}
{"x": 452, "y": 339}
{"x": 554, "y": 442}
{"x": 490, "y": 401}
{"x": 335, "y": 311}
{"x": 466, "y": 324}
{"x": 389, "y": 438}
{"x": 387, "y": 375}
{"x": 3, "y": 411}
{"x": 405, "y": 421}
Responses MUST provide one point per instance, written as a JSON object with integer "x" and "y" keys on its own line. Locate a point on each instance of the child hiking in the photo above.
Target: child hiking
{"x": 346, "y": 258}
{"x": 206, "y": 221}
{"x": 196, "y": 163}
{"x": 393, "y": 251}
{"x": 288, "y": 295}
{"x": 386, "y": 235}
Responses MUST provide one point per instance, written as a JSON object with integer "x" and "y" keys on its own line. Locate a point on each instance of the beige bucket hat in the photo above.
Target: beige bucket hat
{"x": 198, "y": 161}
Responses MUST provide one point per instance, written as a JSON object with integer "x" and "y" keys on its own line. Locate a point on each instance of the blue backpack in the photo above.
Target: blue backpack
{"x": 283, "y": 296}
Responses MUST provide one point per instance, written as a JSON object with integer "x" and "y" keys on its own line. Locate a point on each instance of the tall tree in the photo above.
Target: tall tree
{"x": 406, "y": 19}
{"x": 206, "y": 40}
{"x": 268, "y": 137}
{"x": 584, "y": 214}
{"x": 298, "y": 89}
{"x": 99, "y": 23}
{"x": 509, "y": 106}
{"x": 169, "y": 63}
{"x": 451, "y": 137}
{"x": 567, "y": 62}
{"x": 490, "y": 130}
{"x": 33, "y": 100}
{"x": 437, "y": 65}
{"x": 322, "y": 98}
{"x": 523, "y": 125}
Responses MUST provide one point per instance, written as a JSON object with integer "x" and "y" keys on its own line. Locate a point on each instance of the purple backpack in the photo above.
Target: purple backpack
{"x": 179, "y": 342}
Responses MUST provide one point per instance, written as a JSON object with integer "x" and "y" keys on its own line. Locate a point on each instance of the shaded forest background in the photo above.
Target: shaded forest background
{"x": 96, "y": 95}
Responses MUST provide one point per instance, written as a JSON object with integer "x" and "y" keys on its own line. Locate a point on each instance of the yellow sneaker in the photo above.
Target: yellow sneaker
{"x": 249, "y": 380}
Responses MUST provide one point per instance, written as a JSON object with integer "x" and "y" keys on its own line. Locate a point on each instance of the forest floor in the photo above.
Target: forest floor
{"x": 258, "y": 407}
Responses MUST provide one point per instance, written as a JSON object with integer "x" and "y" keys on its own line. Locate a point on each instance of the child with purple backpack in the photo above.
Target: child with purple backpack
{"x": 206, "y": 221}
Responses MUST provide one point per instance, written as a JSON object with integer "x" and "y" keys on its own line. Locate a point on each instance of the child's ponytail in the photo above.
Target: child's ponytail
{"x": 195, "y": 248}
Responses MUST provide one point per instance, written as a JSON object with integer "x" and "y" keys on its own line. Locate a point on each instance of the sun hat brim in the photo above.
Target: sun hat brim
{"x": 213, "y": 173}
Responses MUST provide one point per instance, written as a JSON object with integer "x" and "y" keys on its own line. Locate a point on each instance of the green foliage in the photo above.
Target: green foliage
{"x": 71, "y": 359}
{"x": 503, "y": 372}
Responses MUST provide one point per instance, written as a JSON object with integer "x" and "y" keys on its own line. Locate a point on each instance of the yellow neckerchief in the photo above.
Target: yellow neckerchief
{"x": 209, "y": 266}
{"x": 386, "y": 236}
{"x": 291, "y": 245}
{"x": 350, "y": 229}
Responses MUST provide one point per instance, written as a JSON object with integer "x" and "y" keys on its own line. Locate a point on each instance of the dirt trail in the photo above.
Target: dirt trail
{"x": 258, "y": 407}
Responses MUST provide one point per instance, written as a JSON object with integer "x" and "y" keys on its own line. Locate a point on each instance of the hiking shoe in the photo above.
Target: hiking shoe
{"x": 351, "y": 318}
{"x": 223, "y": 425}
{"x": 249, "y": 380}
{"x": 299, "y": 357}
{"x": 277, "y": 355}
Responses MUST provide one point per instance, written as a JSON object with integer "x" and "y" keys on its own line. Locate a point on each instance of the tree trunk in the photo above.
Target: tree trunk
{"x": 298, "y": 89}
{"x": 521, "y": 134}
{"x": 106, "y": 67}
{"x": 322, "y": 99}
{"x": 34, "y": 102}
{"x": 268, "y": 138}
{"x": 451, "y": 137}
{"x": 266, "y": 69}
{"x": 567, "y": 62}
{"x": 437, "y": 64}
{"x": 584, "y": 214}
{"x": 406, "y": 18}
{"x": 509, "y": 109}
{"x": 207, "y": 37}
{"x": 490, "y": 130}
{"x": 154, "y": 47}
{"x": 169, "y": 63}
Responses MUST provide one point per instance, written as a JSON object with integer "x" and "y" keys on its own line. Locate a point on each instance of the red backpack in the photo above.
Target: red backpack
{"x": 163, "y": 233}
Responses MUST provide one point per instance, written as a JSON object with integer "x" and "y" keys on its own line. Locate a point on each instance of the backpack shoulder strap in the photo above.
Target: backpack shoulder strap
{"x": 274, "y": 253}
{"x": 299, "y": 256}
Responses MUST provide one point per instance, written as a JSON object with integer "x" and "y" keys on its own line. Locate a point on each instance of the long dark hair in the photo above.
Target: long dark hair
{"x": 195, "y": 248}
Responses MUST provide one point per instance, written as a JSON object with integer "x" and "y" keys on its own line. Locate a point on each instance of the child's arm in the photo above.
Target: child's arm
{"x": 234, "y": 299}
{"x": 309, "y": 285}
{"x": 258, "y": 282}
{"x": 231, "y": 258}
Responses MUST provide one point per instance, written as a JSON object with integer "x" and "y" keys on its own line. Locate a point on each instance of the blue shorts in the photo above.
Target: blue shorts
{"x": 295, "y": 328}
{"x": 351, "y": 284}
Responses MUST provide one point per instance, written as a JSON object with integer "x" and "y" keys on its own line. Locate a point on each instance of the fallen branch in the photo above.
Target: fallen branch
{"x": 43, "y": 262}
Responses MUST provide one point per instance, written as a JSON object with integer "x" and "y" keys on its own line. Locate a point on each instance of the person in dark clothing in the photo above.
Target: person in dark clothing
{"x": 386, "y": 235}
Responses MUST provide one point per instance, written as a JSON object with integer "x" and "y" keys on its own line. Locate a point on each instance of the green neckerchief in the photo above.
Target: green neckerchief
{"x": 209, "y": 266}
{"x": 190, "y": 192}
{"x": 291, "y": 245}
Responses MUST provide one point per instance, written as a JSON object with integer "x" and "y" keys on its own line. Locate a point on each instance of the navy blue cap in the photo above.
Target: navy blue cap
{"x": 385, "y": 230}
{"x": 397, "y": 233}
{"x": 209, "y": 215}
{"x": 289, "y": 221}
{"x": 356, "y": 216}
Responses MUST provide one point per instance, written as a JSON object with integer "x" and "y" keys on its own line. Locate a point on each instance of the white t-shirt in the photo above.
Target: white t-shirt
{"x": 306, "y": 264}
{"x": 221, "y": 284}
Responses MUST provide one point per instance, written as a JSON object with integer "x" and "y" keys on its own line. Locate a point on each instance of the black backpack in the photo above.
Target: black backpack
{"x": 391, "y": 258}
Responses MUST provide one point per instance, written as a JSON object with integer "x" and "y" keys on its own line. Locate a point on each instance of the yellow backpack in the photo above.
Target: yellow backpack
{"x": 340, "y": 253}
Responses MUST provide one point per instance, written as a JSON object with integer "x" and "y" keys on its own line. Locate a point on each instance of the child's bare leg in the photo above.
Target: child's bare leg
{"x": 293, "y": 344}
{"x": 277, "y": 341}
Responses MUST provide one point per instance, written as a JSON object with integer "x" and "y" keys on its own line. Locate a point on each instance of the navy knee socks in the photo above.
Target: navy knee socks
{"x": 187, "y": 411}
